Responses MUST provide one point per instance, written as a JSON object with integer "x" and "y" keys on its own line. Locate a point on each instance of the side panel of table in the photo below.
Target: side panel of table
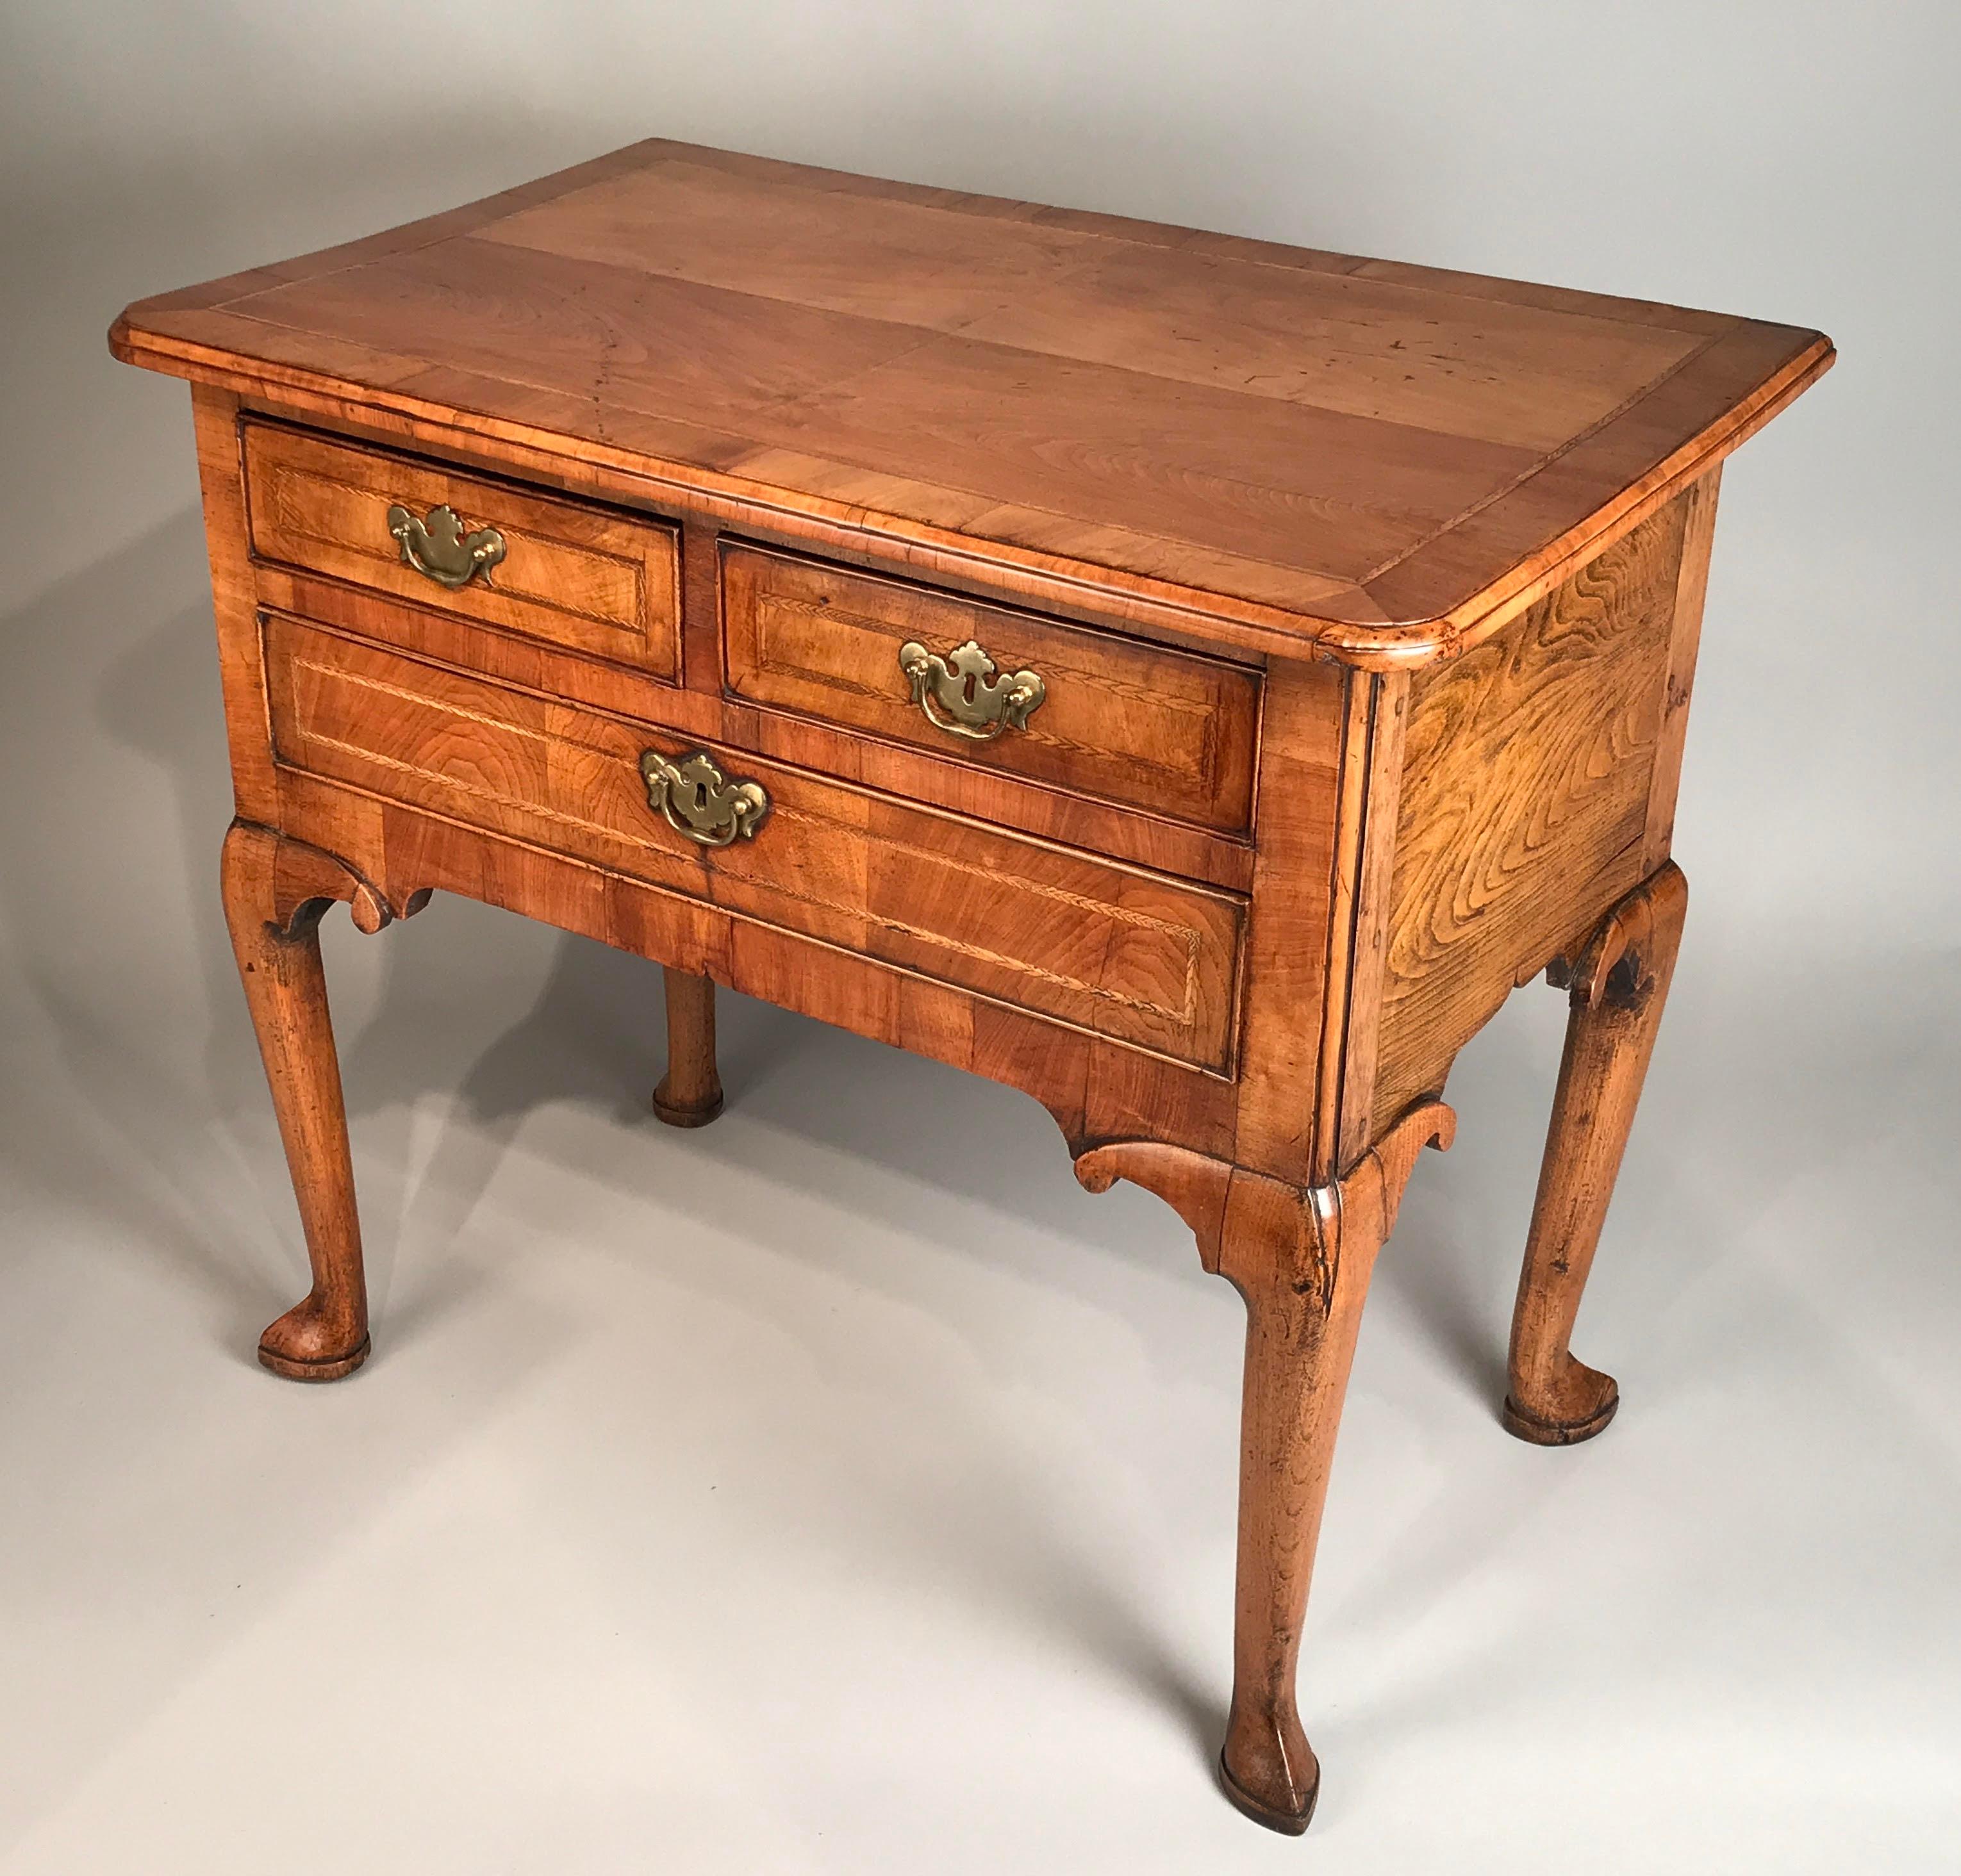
{"x": 1531, "y": 786}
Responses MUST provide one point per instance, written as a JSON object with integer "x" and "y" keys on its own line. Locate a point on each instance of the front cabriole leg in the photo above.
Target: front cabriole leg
{"x": 276, "y": 890}
{"x": 1301, "y": 1257}
{"x": 1618, "y": 986}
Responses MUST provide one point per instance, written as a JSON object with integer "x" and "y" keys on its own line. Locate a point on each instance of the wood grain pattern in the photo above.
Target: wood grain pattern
{"x": 1527, "y": 772}
{"x": 1295, "y": 449}
{"x": 1160, "y": 729}
{"x": 1124, "y": 954}
{"x": 587, "y": 578}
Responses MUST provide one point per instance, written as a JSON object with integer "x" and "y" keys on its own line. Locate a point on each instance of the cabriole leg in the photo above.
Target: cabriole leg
{"x": 690, "y": 1095}
{"x": 275, "y": 892}
{"x": 1617, "y": 987}
{"x": 1302, "y": 1259}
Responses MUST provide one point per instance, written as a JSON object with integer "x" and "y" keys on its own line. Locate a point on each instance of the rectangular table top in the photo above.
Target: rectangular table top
{"x": 1356, "y": 455}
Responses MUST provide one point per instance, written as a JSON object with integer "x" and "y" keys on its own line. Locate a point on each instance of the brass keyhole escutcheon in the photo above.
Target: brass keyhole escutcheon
{"x": 700, "y": 801}
{"x": 437, "y": 546}
{"x": 962, "y": 693}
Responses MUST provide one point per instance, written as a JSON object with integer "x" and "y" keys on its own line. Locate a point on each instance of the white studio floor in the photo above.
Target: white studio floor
{"x": 839, "y": 1488}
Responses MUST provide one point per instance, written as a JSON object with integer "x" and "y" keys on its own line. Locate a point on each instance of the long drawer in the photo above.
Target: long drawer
{"x": 1115, "y": 949}
{"x": 592, "y": 579}
{"x": 1168, "y": 731}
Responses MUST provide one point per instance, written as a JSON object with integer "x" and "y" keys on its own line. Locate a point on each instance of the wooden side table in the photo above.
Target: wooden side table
{"x": 1190, "y": 679}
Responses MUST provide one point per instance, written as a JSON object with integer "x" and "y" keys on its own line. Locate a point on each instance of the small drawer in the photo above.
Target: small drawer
{"x": 591, "y": 579}
{"x": 1168, "y": 731}
{"x": 1124, "y": 953}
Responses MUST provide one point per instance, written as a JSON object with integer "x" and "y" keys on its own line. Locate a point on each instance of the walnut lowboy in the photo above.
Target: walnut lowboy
{"x": 1191, "y": 680}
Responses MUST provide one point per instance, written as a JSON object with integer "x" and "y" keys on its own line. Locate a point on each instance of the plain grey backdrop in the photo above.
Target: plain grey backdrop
{"x": 841, "y": 1489}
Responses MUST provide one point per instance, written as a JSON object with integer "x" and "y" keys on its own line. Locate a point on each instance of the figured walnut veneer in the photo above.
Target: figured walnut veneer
{"x": 1160, "y": 730}
{"x": 1528, "y": 765}
{"x": 588, "y": 578}
{"x": 1351, "y": 609}
{"x": 1115, "y": 951}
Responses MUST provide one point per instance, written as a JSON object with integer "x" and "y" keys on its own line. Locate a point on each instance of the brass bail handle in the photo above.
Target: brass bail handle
{"x": 438, "y": 546}
{"x": 963, "y": 694}
{"x": 700, "y": 801}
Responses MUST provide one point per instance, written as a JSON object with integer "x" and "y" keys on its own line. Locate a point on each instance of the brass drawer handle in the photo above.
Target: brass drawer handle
{"x": 699, "y": 800}
{"x": 971, "y": 700}
{"x": 439, "y": 548}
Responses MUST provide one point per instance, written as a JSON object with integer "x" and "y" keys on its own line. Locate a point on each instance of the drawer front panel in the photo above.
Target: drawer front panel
{"x": 591, "y": 579}
{"x": 1166, "y": 730}
{"x": 1122, "y": 953}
